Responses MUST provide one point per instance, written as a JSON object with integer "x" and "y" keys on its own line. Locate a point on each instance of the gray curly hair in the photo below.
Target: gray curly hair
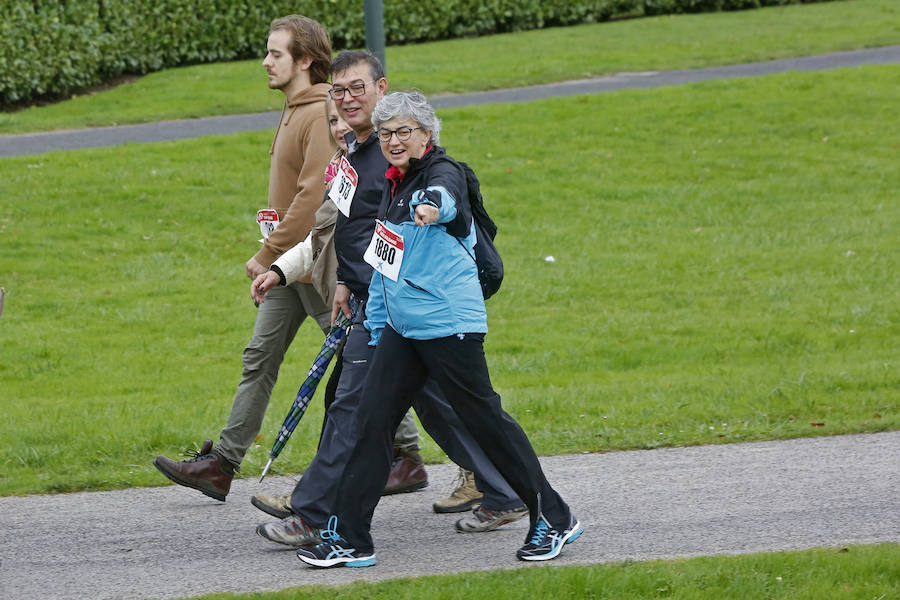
{"x": 411, "y": 105}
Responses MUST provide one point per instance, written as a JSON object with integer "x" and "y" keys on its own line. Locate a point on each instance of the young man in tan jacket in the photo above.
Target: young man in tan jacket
{"x": 297, "y": 63}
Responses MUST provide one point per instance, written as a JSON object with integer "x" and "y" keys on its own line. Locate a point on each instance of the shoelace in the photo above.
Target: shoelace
{"x": 460, "y": 481}
{"x": 330, "y": 534}
{"x": 540, "y": 530}
{"x": 194, "y": 455}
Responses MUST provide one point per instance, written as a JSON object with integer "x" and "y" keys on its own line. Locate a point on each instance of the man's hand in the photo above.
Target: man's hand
{"x": 254, "y": 269}
{"x": 262, "y": 284}
{"x": 341, "y": 302}
{"x": 426, "y": 214}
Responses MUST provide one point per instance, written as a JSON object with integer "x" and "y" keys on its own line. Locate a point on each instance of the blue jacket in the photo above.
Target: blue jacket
{"x": 437, "y": 293}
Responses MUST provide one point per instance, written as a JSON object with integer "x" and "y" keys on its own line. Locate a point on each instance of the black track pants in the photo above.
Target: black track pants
{"x": 397, "y": 372}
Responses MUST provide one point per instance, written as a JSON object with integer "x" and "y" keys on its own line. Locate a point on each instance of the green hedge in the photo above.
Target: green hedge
{"x": 665, "y": 7}
{"x": 49, "y": 48}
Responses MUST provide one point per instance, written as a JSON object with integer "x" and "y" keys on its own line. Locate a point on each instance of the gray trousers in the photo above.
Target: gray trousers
{"x": 407, "y": 435}
{"x": 277, "y": 322}
{"x": 315, "y": 496}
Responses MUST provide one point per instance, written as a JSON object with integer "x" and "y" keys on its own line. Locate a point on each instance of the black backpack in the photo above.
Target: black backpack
{"x": 487, "y": 258}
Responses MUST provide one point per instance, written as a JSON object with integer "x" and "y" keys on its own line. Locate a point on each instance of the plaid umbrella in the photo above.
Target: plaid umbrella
{"x": 335, "y": 335}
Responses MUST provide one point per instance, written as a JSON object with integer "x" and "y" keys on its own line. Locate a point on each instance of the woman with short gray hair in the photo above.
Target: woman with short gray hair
{"x": 408, "y": 104}
{"x": 426, "y": 316}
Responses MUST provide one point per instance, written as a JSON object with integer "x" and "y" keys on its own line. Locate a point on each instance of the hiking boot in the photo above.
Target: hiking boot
{"x": 333, "y": 551}
{"x": 465, "y": 497}
{"x": 277, "y": 506}
{"x": 545, "y": 542}
{"x": 205, "y": 471}
{"x": 482, "y": 519}
{"x": 407, "y": 473}
{"x": 291, "y": 531}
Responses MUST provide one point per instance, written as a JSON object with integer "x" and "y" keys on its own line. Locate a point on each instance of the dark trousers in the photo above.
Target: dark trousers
{"x": 316, "y": 494}
{"x": 331, "y": 386}
{"x": 447, "y": 429}
{"x": 398, "y": 371}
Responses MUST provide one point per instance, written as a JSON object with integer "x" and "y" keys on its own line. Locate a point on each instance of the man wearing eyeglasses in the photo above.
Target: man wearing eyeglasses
{"x": 358, "y": 83}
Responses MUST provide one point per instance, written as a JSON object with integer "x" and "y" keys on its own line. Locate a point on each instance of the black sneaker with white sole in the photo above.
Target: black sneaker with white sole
{"x": 545, "y": 542}
{"x": 334, "y": 551}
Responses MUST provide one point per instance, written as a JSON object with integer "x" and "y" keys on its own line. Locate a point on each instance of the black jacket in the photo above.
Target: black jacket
{"x": 353, "y": 233}
{"x": 420, "y": 174}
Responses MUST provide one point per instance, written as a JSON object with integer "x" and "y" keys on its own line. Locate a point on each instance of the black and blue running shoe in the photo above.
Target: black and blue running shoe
{"x": 333, "y": 551}
{"x": 545, "y": 542}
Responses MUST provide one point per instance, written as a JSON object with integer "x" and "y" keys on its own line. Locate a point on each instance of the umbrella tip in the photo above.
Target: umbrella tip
{"x": 265, "y": 470}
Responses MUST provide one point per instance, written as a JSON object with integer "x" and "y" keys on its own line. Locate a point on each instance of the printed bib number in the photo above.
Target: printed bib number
{"x": 343, "y": 187}
{"x": 385, "y": 251}
{"x": 268, "y": 221}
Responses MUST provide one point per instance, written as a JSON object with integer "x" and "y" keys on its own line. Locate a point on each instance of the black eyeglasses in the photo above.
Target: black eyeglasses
{"x": 403, "y": 133}
{"x": 356, "y": 89}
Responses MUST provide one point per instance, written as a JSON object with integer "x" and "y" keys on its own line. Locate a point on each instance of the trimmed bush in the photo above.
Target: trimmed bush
{"x": 665, "y": 7}
{"x": 49, "y": 48}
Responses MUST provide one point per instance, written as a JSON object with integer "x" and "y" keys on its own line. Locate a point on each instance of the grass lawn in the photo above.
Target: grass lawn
{"x": 850, "y": 573}
{"x": 527, "y": 58}
{"x": 725, "y": 270}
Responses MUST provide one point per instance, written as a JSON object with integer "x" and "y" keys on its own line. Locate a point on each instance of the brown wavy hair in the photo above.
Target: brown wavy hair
{"x": 308, "y": 40}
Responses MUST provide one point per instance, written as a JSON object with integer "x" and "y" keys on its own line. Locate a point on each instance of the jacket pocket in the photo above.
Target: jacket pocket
{"x": 420, "y": 288}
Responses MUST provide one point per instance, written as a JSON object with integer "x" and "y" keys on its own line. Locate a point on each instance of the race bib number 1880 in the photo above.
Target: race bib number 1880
{"x": 385, "y": 251}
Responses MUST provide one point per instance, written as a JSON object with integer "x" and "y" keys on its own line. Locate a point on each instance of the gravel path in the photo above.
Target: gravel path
{"x": 171, "y": 542}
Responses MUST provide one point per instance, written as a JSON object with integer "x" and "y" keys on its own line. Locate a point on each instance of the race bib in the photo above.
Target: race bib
{"x": 343, "y": 187}
{"x": 268, "y": 221}
{"x": 385, "y": 251}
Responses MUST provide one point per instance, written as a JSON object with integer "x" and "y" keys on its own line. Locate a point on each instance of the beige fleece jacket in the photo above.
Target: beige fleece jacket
{"x": 300, "y": 152}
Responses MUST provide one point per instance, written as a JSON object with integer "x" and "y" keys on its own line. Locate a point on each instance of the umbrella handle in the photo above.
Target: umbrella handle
{"x": 266, "y": 468}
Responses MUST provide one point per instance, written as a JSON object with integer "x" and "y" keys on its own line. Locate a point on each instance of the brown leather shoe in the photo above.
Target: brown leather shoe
{"x": 407, "y": 473}
{"x": 206, "y": 471}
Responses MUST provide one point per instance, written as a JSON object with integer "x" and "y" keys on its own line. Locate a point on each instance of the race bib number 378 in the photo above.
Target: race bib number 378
{"x": 343, "y": 187}
{"x": 385, "y": 251}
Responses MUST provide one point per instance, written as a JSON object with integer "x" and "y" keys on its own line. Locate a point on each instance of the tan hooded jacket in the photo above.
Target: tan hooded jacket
{"x": 300, "y": 152}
